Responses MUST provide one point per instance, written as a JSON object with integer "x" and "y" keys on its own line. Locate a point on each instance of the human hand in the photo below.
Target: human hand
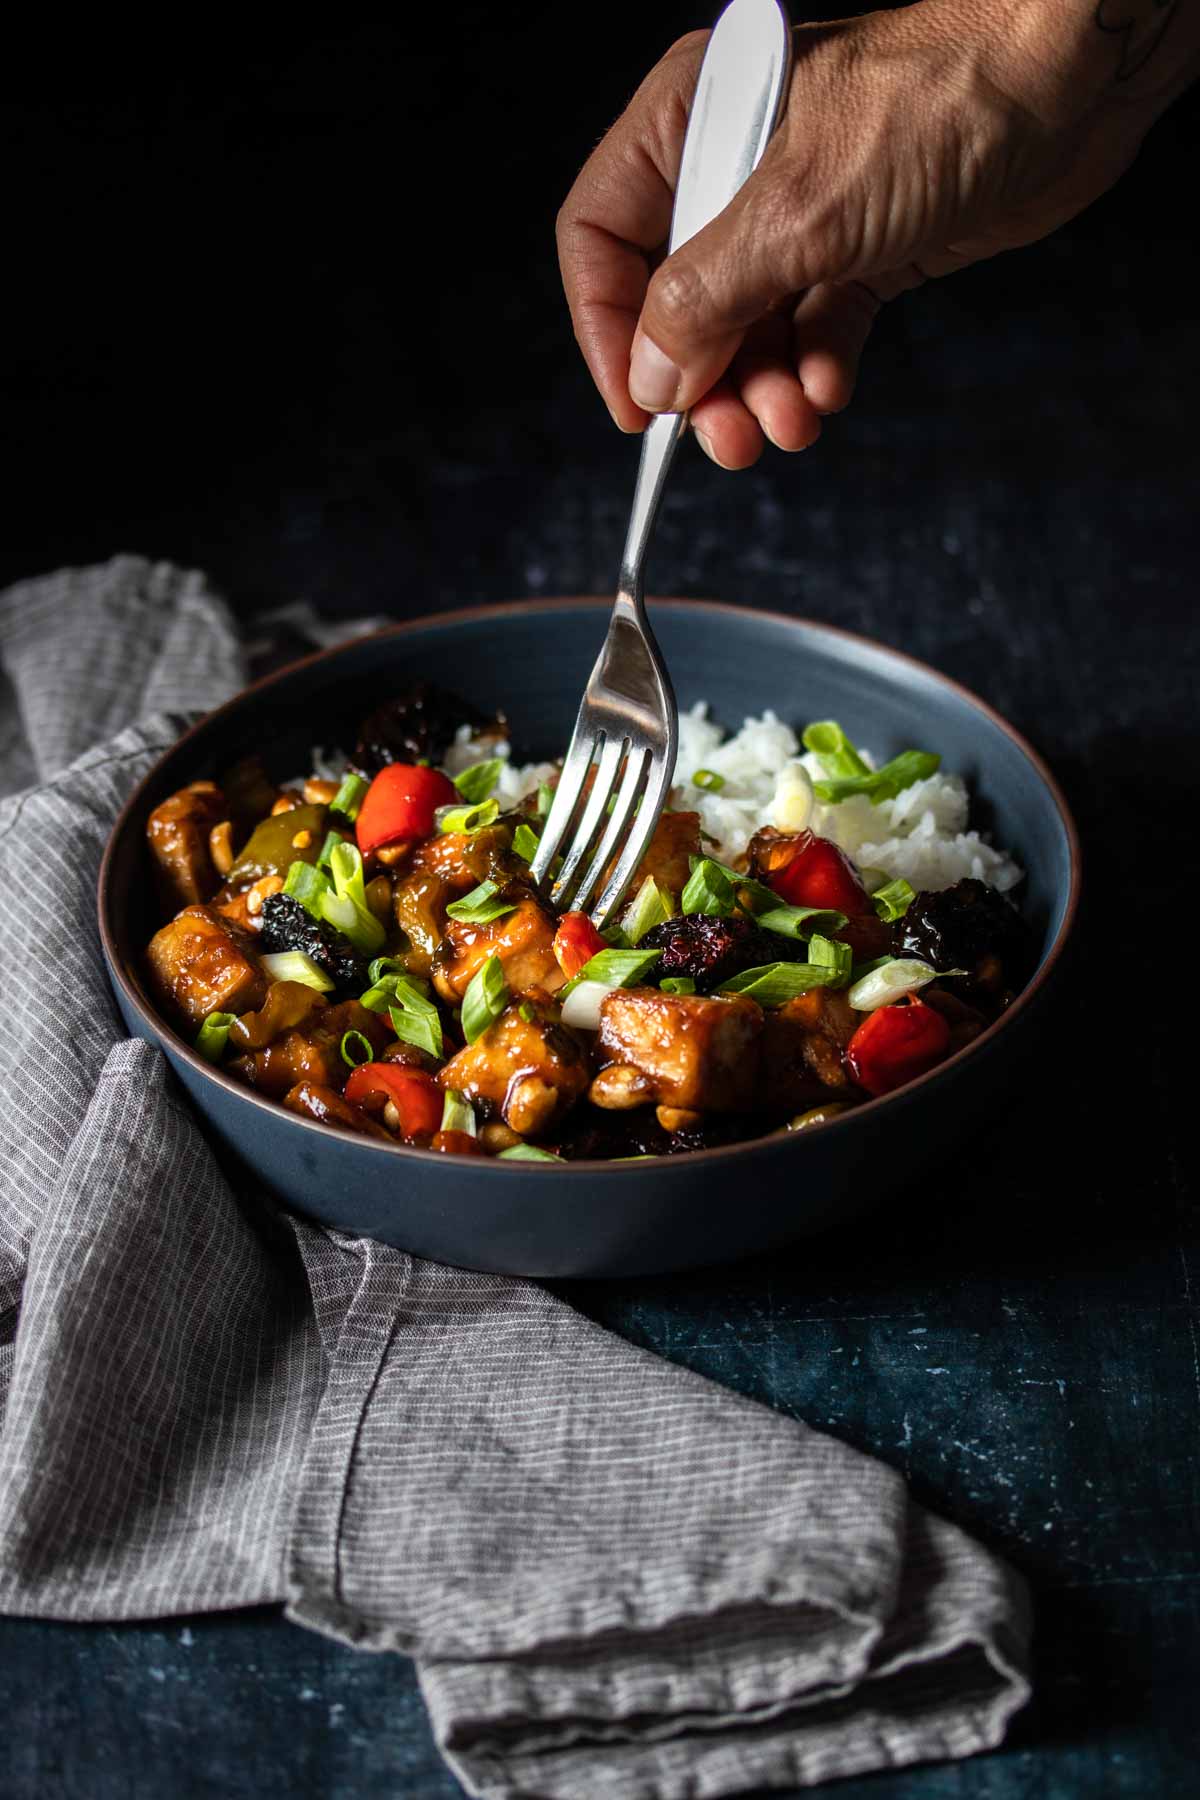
{"x": 914, "y": 143}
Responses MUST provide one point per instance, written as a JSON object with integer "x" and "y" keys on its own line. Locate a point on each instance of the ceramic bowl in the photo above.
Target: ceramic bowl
{"x": 595, "y": 1218}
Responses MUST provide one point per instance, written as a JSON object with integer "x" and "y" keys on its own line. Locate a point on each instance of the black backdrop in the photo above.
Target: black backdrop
{"x": 285, "y": 305}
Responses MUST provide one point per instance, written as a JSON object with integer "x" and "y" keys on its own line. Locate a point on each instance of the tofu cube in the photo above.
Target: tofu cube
{"x": 202, "y": 963}
{"x": 697, "y": 1052}
{"x": 530, "y": 1070}
{"x": 523, "y": 940}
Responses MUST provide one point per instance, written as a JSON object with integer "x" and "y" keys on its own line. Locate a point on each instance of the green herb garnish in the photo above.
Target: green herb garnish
{"x": 213, "y": 1035}
{"x": 883, "y": 783}
{"x": 774, "y": 984}
{"x": 458, "y": 1114}
{"x": 615, "y": 968}
{"x": 709, "y": 890}
{"x": 485, "y": 999}
{"x": 827, "y": 953}
{"x": 356, "y": 1048}
{"x": 346, "y": 907}
{"x": 477, "y": 782}
{"x": 481, "y": 905}
{"x": 525, "y": 842}
{"x": 652, "y": 906}
{"x": 709, "y": 780}
{"x": 800, "y": 921}
{"x": 893, "y": 900}
{"x": 529, "y": 1153}
{"x": 468, "y": 818}
{"x": 309, "y": 885}
{"x": 293, "y": 965}
{"x": 677, "y": 984}
{"x": 349, "y": 797}
{"x": 836, "y": 753}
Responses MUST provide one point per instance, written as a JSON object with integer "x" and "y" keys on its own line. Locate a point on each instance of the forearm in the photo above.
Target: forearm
{"x": 1067, "y": 59}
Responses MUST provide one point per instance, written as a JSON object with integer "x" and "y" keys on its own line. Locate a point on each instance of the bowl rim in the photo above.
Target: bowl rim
{"x": 611, "y": 1169}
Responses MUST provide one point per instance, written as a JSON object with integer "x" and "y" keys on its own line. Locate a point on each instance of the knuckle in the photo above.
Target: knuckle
{"x": 679, "y": 295}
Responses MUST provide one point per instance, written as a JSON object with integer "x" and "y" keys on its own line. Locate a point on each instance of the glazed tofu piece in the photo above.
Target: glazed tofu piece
{"x": 309, "y": 1050}
{"x": 531, "y": 1069}
{"x": 696, "y": 1052}
{"x": 202, "y": 963}
{"x": 676, "y": 839}
{"x": 803, "y": 1043}
{"x": 178, "y": 832}
{"x": 523, "y": 940}
{"x": 463, "y": 859}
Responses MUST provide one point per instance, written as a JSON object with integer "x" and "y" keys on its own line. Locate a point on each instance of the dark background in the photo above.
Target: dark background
{"x": 287, "y": 309}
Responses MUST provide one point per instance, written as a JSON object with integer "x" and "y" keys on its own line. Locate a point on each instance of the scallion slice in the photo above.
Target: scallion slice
{"x": 526, "y": 1013}
{"x": 468, "y": 818}
{"x": 529, "y": 1153}
{"x": 414, "y": 1017}
{"x": 293, "y": 965}
{"x": 332, "y": 840}
{"x": 894, "y": 978}
{"x": 525, "y": 842}
{"x": 774, "y": 984}
{"x": 837, "y": 755}
{"x": 677, "y": 984}
{"x": 652, "y": 906}
{"x": 708, "y": 780}
{"x": 309, "y": 885}
{"x": 893, "y": 900}
{"x": 545, "y": 800}
{"x": 883, "y": 783}
{"x": 481, "y": 905}
{"x": 356, "y": 1048}
{"x": 615, "y": 968}
{"x": 387, "y": 965}
{"x": 827, "y": 953}
{"x": 485, "y": 999}
{"x": 709, "y": 890}
{"x": 458, "y": 1114}
{"x": 349, "y": 796}
{"x": 213, "y": 1035}
{"x": 346, "y": 907}
{"x": 477, "y": 782}
{"x": 800, "y": 921}
{"x": 752, "y": 896}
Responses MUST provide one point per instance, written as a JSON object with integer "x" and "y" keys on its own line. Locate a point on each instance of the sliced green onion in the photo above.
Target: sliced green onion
{"x": 545, "y": 800}
{"x": 883, "y": 783}
{"x": 309, "y": 885}
{"x": 213, "y": 1035}
{"x": 677, "y": 984}
{"x": 481, "y": 905}
{"x": 293, "y": 965}
{"x": 529, "y": 1153}
{"x": 332, "y": 840}
{"x": 751, "y": 895}
{"x": 865, "y": 968}
{"x": 615, "y": 968}
{"x": 616, "y": 938}
{"x": 774, "y": 984}
{"x": 388, "y": 965}
{"x": 346, "y": 908}
{"x": 837, "y": 754}
{"x": 356, "y": 1048}
{"x": 526, "y": 1012}
{"x": 414, "y": 1017}
{"x": 526, "y": 841}
{"x": 652, "y": 906}
{"x": 800, "y": 921}
{"x": 349, "y": 796}
{"x": 468, "y": 818}
{"x": 827, "y": 953}
{"x": 898, "y": 976}
{"x": 458, "y": 1114}
{"x": 477, "y": 782}
{"x": 709, "y": 890}
{"x": 709, "y": 780}
{"x": 893, "y": 900}
{"x": 485, "y": 999}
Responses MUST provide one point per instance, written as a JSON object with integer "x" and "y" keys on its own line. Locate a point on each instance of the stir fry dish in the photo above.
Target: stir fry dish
{"x": 368, "y": 949}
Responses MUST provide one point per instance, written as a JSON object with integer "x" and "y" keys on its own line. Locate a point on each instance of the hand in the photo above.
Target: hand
{"x": 914, "y": 142}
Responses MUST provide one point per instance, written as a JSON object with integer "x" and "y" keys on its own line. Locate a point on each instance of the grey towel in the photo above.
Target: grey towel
{"x": 615, "y": 1577}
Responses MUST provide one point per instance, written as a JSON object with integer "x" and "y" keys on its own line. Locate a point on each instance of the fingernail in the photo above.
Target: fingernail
{"x": 653, "y": 377}
{"x": 708, "y": 449}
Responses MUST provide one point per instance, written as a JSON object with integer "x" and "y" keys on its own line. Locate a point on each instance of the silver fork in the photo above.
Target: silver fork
{"x": 627, "y": 725}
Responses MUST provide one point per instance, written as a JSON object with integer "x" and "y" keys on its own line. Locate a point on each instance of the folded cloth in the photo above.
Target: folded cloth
{"x": 615, "y": 1576}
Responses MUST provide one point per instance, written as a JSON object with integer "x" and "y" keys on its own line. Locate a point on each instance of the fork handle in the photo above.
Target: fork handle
{"x": 737, "y": 104}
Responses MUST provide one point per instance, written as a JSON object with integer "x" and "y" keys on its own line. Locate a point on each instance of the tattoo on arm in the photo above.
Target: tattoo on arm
{"x": 1139, "y": 26}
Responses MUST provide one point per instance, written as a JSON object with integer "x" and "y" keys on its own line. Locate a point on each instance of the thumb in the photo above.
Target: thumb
{"x": 702, "y": 300}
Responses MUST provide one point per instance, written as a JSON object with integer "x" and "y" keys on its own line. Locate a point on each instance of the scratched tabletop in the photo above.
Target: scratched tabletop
{"x": 1012, "y": 496}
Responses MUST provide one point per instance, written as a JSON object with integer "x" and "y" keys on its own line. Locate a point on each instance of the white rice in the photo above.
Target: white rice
{"x": 921, "y": 835}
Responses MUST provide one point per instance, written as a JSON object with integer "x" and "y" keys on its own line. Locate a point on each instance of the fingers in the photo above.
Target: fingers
{"x": 619, "y": 212}
{"x": 831, "y": 325}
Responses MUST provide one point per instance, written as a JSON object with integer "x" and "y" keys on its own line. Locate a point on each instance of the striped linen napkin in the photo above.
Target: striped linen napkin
{"x": 615, "y": 1576}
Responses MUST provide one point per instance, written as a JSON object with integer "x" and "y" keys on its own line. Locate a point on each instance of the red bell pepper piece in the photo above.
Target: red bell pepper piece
{"x": 415, "y": 1095}
{"x": 821, "y": 875}
{"x": 576, "y": 942}
{"x": 897, "y": 1043}
{"x": 399, "y": 805}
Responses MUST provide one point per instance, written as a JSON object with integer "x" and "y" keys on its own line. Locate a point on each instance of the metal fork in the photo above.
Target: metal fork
{"x": 627, "y": 726}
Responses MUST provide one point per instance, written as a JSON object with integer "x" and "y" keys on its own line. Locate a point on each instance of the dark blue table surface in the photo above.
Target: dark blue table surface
{"x": 1012, "y": 496}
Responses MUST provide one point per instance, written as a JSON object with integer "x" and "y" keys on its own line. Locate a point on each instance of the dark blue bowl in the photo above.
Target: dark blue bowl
{"x": 592, "y": 1218}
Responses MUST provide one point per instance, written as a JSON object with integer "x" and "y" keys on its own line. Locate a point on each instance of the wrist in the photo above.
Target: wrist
{"x": 1065, "y": 61}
